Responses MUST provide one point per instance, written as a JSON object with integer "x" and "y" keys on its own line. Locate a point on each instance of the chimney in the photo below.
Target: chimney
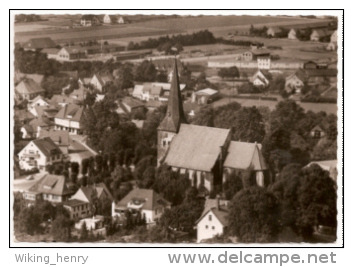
{"x": 217, "y": 202}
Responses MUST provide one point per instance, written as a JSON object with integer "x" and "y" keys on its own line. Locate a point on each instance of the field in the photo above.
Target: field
{"x": 57, "y": 27}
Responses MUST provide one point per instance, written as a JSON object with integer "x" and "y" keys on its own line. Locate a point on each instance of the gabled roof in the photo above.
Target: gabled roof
{"x": 47, "y": 146}
{"x": 73, "y": 49}
{"x": 131, "y": 102}
{"x": 61, "y": 138}
{"x": 89, "y": 17}
{"x": 175, "y": 113}
{"x": 148, "y": 198}
{"x": 41, "y": 122}
{"x": 51, "y": 184}
{"x": 28, "y": 86}
{"x": 259, "y": 52}
{"x": 70, "y": 112}
{"x": 104, "y": 78}
{"x": 152, "y": 89}
{"x": 207, "y": 91}
{"x": 23, "y": 114}
{"x": 78, "y": 94}
{"x": 322, "y": 33}
{"x": 62, "y": 99}
{"x": 50, "y": 111}
{"x": 220, "y": 213}
{"x": 196, "y": 147}
{"x": 243, "y": 156}
{"x": 166, "y": 64}
{"x": 39, "y": 43}
{"x": 38, "y": 98}
{"x": 138, "y": 90}
{"x": 99, "y": 188}
{"x": 38, "y": 78}
{"x": 78, "y": 149}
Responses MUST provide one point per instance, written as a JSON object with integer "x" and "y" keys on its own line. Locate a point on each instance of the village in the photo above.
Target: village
{"x": 177, "y": 138}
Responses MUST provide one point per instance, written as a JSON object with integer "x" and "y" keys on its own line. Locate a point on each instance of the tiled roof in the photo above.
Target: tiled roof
{"x": 47, "y": 146}
{"x": 73, "y": 202}
{"x": 39, "y": 43}
{"x": 28, "y": 86}
{"x": 207, "y": 91}
{"x": 23, "y": 114}
{"x": 99, "y": 188}
{"x": 38, "y": 78}
{"x": 51, "y": 184}
{"x": 74, "y": 49}
{"x": 148, "y": 197}
{"x": 138, "y": 90}
{"x": 70, "y": 112}
{"x": 131, "y": 102}
{"x": 243, "y": 156}
{"x": 61, "y": 138}
{"x": 62, "y": 99}
{"x": 196, "y": 147}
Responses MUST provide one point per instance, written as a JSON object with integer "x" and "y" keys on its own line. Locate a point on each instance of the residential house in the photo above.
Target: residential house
{"x": 39, "y": 153}
{"x": 39, "y": 101}
{"x": 292, "y": 34}
{"x": 260, "y": 78}
{"x": 204, "y": 96}
{"x": 37, "y": 78}
{"x": 151, "y": 91}
{"x": 35, "y": 44}
{"x": 80, "y": 204}
{"x": 333, "y": 42}
{"x": 68, "y": 53}
{"x": 69, "y": 118}
{"x": 78, "y": 95}
{"x": 33, "y": 128}
{"x": 244, "y": 156}
{"x": 130, "y": 106}
{"x": 51, "y": 188}
{"x": 198, "y": 151}
{"x": 51, "y": 52}
{"x": 327, "y": 165}
{"x": 78, "y": 149}
{"x": 48, "y": 110}
{"x": 295, "y": 82}
{"x": 109, "y": 19}
{"x": 320, "y": 34}
{"x": 121, "y": 20}
{"x": 144, "y": 202}
{"x": 28, "y": 89}
{"x": 62, "y": 100}
{"x": 100, "y": 80}
{"x": 254, "y": 54}
{"x": 89, "y": 20}
{"x": 60, "y": 138}
{"x": 310, "y": 65}
{"x": 154, "y": 91}
{"x": 23, "y": 116}
{"x": 264, "y": 62}
{"x": 213, "y": 220}
{"x": 273, "y": 31}
{"x": 319, "y": 131}
{"x": 138, "y": 90}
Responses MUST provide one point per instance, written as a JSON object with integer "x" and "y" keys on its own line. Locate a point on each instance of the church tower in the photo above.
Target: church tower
{"x": 170, "y": 125}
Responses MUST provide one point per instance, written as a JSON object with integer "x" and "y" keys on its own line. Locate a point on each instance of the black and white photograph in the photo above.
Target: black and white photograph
{"x": 176, "y": 128}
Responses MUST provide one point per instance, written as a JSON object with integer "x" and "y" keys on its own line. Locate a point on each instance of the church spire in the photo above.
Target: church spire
{"x": 175, "y": 113}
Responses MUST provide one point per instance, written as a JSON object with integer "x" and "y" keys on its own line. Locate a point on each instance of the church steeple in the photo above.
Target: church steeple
{"x": 175, "y": 112}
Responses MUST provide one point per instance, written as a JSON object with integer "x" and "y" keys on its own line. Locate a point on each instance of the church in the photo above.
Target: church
{"x": 206, "y": 154}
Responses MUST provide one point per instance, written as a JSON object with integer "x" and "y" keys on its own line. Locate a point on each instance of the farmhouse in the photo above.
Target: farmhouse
{"x": 89, "y": 20}
{"x": 71, "y": 53}
{"x": 39, "y": 153}
{"x": 28, "y": 89}
{"x": 196, "y": 150}
{"x": 141, "y": 202}
{"x": 35, "y": 44}
{"x": 109, "y": 19}
{"x": 254, "y": 54}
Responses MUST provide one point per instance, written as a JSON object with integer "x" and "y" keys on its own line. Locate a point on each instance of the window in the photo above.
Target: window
{"x": 210, "y": 217}
{"x": 164, "y": 143}
{"x": 213, "y": 227}
{"x": 317, "y": 134}
{"x": 206, "y": 226}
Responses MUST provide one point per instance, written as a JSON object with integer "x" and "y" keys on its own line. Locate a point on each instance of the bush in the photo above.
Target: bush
{"x": 28, "y": 172}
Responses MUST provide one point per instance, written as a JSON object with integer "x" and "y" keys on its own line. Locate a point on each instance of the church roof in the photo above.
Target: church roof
{"x": 175, "y": 113}
{"x": 196, "y": 147}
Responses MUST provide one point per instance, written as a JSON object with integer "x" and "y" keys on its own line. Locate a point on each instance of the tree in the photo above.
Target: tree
{"x": 253, "y": 216}
{"x": 83, "y": 232}
{"x": 204, "y": 117}
{"x": 61, "y": 229}
{"x": 125, "y": 76}
{"x": 145, "y": 72}
{"x": 29, "y": 221}
{"x": 249, "y": 126}
{"x": 231, "y": 72}
{"x": 232, "y": 185}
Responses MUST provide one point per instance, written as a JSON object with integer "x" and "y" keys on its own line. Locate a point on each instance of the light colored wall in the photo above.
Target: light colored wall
{"x": 203, "y": 233}
{"x": 38, "y": 156}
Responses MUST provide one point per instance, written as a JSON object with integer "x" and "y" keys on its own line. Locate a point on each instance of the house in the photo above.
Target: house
{"x": 37, "y": 78}
{"x": 80, "y": 203}
{"x": 317, "y": 76}
{"x": 244, "y": 156}
{"x": 71, "y": 53}
{"x": 39, "y": 153}
{"x": 310, "y": 65}
{"x": 109, "y": 19}
{"x": 292, "y": 34}
{"x": 23, "y": 116}
{"x": 204, "y": 96}
{"x": 295, "y": 82}
{"x": 144, "y": 202}
{"x": 333, "y": 41}
{"x": 273, "y": 31}
{"x": 33, "y": 128}
{"x": 50, "y": 187}
{"x": 35, "y": 44}
{"x": 213, "y": 220}
{"x": 260, "y": 78}
{"x": 327, "y": 165}
{"x": 60, "y": 138}
{"x": 84, "y": 81}
{"x": 254, "y": 54}
{"x": 62, "y": 100}
{"x": 28, "y": 89}
{"x": 100, "y": 80}
{"x": 154, "y": 91}
{"x": 51, "y": 52}
{"x": 121, "y": 20}
{"x": 130, "y": 106}
{"x": 39, "y": 101}
{"x": 319, "y": 34}
{"x": 319, "y": 131}
{"x": 137, "y": 92}
{"x": 49, "y": 111}
{"x": 78, "y": 149}
{"x": 198, "y": 151}
{"x": 264, "y": 62}
{"x": 89, "y": 20}
{"x": 78, "y": 95}
{"x": 94, "y": 223}
{"x": 69, "y": 118}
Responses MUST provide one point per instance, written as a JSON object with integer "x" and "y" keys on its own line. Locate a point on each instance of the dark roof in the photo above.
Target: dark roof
{"x": 70, "y": 112}
{"x": 321, "y": 72}
{"x": 73, "y": 202}
{"x": 131, "y": 102}
{"x": 221, "y": 213}
{"x": 175, "y": 113}
{"x": 41, "y": 122}
{"x": 51, "y": 184}
{"x": 147, "y": 197}
{"x": 243, "y": 156}
{"x": 23, "y": 114}
{"x": 28, "y": 86}
{"x": 196, "y": 147}
{"x": 99, "y": 188}
{"x": 61, "y": 138}
{"x": 89, "y": 17}
{"x": 104, "y": 78}
{"x": 259, "y": 52}
{"x": 62, "y": 99}
{"x": 47, "y": 146}
{"x": 39, "y": 43}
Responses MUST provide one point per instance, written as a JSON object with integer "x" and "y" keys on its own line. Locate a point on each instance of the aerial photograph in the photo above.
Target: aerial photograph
{"x": 183, "y": 129}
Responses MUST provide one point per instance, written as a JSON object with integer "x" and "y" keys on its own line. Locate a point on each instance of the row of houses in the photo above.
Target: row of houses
{"x": 94, "y": 20}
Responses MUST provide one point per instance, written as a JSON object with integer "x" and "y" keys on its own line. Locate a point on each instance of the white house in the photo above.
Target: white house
{"x": 89, "y": 20}
{"x": 213, "y": 220}
{"x": 204, "y": 96}
{"x": 121, "y": 20}
{"x": 39, "y": 153}
{"x": 295, "y": 82}
{"x": 264, "y": 63}
{"x": 292, "y": 34}
{"x": 145, "y": 202}
{"x": 50, "y": 187}
{"x": 107, "y": 19}
{"x": 99, "y": 81}
{"x": 333, "y": 42}
{"x": 69, "y": 118}
{"x": 273, "y": 31}
{"x": 259, "y": 79}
